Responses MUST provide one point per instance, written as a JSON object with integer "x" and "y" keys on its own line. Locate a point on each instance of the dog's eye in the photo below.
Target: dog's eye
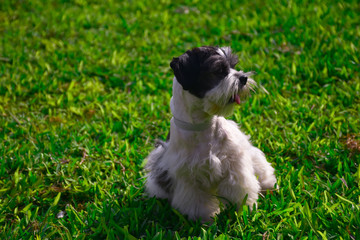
{"x": 219, "y": 67}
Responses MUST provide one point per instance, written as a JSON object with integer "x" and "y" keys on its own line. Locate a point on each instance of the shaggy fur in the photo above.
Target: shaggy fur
{"x": 207, "y": 159}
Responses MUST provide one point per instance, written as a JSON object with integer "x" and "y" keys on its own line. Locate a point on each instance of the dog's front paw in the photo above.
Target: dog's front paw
{"x": 268, "y": 183}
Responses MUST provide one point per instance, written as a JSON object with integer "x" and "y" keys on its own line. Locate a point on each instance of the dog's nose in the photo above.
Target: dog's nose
{"x": 243, "y": 79}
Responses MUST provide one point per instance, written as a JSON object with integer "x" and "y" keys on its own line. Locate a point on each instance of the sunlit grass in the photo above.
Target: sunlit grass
{"x": 85, "y": 90}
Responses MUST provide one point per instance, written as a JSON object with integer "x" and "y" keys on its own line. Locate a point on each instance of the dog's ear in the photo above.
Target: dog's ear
{"x": 185, "y": 70}
{"x": 193, "y": 70}
{"x": 175, "y": 66}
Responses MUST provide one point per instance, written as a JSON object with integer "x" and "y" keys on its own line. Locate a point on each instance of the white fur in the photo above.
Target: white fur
{"x": 206, "y": 167}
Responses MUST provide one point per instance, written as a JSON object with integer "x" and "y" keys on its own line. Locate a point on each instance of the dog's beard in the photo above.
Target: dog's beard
{"x": 222, "y": 99}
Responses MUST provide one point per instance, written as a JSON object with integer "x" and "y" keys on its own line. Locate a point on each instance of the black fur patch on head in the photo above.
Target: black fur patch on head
{"x": 201, "y": 69}
{"x": 231, "y": 58}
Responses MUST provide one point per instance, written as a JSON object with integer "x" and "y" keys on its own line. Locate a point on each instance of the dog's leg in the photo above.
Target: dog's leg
{"x": 193, "y": 202}
{"x": 158, "y": 182}
{"x": 239, "y": 184}
{"x": 263, "y": 169}
{"x": 153, "y": 188}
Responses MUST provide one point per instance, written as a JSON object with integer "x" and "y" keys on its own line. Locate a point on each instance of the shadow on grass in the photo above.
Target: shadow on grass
{"x": 150, "y": 218}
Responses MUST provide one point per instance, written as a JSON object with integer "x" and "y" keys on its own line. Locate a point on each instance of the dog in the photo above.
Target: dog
{"x": 207, "y": 161}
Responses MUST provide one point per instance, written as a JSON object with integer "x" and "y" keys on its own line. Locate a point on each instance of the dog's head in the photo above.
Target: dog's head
{"x": 208, "y": 73}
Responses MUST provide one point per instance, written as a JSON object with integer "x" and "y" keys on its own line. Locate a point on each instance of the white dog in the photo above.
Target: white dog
{"x": 207, "y": 159}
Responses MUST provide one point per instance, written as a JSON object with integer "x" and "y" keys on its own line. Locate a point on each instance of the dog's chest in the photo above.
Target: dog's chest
{"x": 210, "y": 156}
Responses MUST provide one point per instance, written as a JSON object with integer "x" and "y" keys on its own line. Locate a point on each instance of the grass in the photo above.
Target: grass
{"x": 85, "y": 89}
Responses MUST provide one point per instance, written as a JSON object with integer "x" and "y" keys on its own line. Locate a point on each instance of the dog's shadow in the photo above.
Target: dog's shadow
{"x": 149, "y": 217}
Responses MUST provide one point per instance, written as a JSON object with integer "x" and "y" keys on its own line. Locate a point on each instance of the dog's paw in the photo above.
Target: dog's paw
{"x": 268, "y": 183}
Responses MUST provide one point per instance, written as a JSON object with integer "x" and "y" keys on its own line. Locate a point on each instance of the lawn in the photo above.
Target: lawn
{"x": 84, "y": 94}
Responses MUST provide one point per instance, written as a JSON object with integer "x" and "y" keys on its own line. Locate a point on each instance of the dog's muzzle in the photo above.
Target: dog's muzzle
{"x": 242, "y": 82}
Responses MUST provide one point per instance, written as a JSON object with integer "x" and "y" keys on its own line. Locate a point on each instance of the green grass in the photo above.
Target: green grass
{"x": 85, "y": 89}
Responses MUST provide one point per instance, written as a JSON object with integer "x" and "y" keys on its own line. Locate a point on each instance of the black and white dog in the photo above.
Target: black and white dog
{"x": 207, "y": 159}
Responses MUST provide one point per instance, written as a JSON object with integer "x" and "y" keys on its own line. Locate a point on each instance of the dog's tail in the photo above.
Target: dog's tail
{"x": 160, "y": 143}
{"x": 155, "y": 156}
